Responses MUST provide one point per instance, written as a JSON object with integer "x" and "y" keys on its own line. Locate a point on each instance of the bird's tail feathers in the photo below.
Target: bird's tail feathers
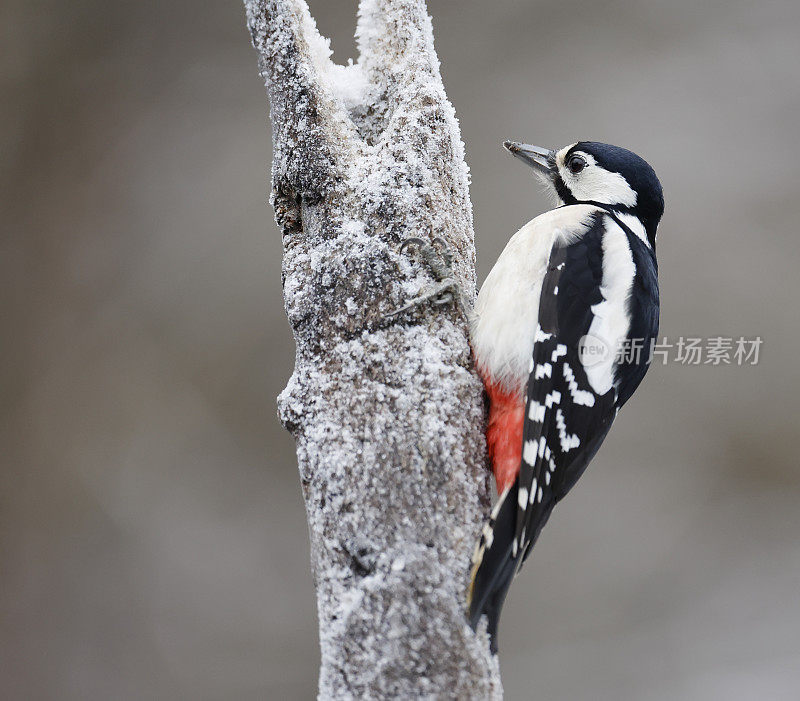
{"x": 494, "y": 564}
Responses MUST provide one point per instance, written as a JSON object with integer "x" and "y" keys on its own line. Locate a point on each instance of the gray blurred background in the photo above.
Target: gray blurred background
{"x": 152, "y": 532}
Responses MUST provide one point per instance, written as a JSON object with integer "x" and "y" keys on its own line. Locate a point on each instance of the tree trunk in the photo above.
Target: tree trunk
{"x": 387, "y": 412}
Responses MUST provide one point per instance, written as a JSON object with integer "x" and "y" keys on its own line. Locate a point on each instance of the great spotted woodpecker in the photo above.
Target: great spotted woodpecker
{"x": 573, "y": 288}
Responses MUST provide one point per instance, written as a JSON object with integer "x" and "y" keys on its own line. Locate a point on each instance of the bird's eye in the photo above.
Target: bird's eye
{"x": 576, "y": 164}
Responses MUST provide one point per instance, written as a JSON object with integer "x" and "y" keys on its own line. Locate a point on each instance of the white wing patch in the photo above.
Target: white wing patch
{"x": 635, "y": 225}
{"x": 611, "y": 320}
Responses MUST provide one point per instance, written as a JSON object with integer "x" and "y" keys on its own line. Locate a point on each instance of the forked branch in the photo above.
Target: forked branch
{"x": 387, "y": 412}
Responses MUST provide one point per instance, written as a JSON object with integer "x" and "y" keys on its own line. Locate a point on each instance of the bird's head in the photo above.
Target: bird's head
{"x": 596, "y": 173}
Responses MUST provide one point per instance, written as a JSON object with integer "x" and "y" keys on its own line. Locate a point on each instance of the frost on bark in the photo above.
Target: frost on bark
{"x": 387, "y": 413}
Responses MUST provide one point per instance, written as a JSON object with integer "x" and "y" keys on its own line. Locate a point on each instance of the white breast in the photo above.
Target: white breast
{"x": 507, "y": 309}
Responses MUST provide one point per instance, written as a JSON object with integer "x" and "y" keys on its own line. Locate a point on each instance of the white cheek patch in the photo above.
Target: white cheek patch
{"x": 595, "y": 183}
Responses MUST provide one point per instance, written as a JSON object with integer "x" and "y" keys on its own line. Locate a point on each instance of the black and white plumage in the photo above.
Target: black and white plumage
{"x": 572, "y": 289}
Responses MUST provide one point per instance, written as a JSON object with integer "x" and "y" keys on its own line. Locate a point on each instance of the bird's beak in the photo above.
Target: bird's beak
{"x": 542, "y": 160}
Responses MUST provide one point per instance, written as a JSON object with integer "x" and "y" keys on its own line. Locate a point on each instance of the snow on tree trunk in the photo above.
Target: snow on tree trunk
{"x": 387, "y": 413}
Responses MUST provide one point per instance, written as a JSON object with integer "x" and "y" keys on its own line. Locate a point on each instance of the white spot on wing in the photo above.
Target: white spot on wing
{"x": 553, "y": 398}
{"x": 579, "y": 396}
{"x": 536, "y": 412}
{"x": 529, "y": 452}
{"x": 522, "y": 497}
{"x": 568, "y": 440}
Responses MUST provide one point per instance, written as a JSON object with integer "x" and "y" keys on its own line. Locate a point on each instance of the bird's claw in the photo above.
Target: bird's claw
{"x": 412, "y": 241}
{"x": 445, "y": 252}
{"x": 440, "y": 294}
{"x": 436, "y": 253}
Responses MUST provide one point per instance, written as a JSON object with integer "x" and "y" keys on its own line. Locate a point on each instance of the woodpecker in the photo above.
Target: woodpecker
{"x": 553, "y": 331}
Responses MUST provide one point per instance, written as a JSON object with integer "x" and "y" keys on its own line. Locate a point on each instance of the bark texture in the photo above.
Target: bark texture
{"x": 387, "y": 414}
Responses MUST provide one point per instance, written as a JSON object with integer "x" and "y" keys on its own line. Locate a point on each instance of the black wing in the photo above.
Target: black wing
{"x": 565, "y": 419}
{"x": 558, "y": 399}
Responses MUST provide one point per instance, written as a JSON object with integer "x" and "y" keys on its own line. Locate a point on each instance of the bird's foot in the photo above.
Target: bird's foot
{"x": 436, "y": 254}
